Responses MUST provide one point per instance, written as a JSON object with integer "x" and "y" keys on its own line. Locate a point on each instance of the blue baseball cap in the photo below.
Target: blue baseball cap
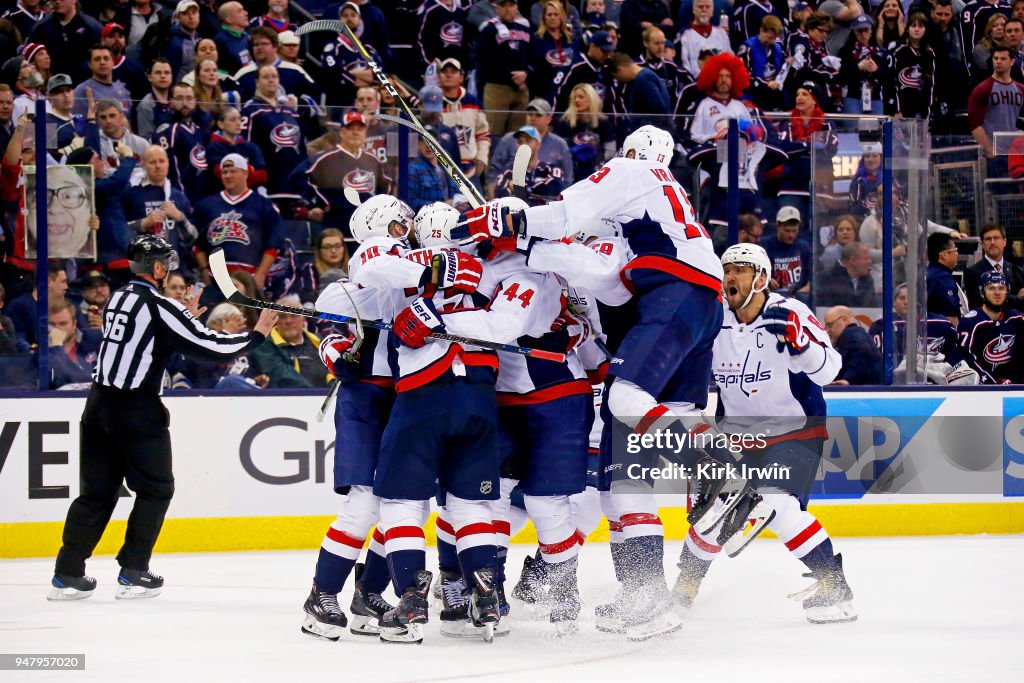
{"x": 861, "y": 21}
{"x": 603, "y": 40}
{"x": 528, "y": 130}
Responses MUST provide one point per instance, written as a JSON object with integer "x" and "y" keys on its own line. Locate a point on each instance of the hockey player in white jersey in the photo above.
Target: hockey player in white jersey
{"x": 365, "y": 397}
{"x": 662, "y": 368}
{"x": 545, "y": 410}
{"x": 770, "y": 362}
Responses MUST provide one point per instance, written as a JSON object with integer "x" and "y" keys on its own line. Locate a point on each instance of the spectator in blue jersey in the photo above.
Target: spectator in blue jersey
{"x": 554, "y": 151}
{"x": 242, "y": 222}
{"x": 431, "y": 110}
{"x": 428, "y": 182}
{"x": 645, "y": 98}
{"x": 862, "y": 362}
{"x": 442, "y": 32}
{"x": 764, "y": 59}
{"x": 24, "y": 14}
{"x": 101, "y": 86}
{"x": 155, "y": 108}
{"x": 586, "y": 130}
{"x": 155, "y": 206}
{"x": 232, "y": 39}
{"x": 184, "y": 137}
{"x": 369, "y": 23}
{"x": 944, "y": 295}
{"x": 849, "y": 282}
{"x": 553, "y": 50}
{"x": 275, "y": 128}
{"x": 73, "y": 351}
{"x": 589, "y": 68}
{"x": 67, "y": 34}
{"x": 790, "y": 255}
{"x": 543, "y": 181}
{"x": 60, "y": 126}
{"x": 181, "y": 46}
{"x": 228, "y": 139}
{"x": 294, "y": 79}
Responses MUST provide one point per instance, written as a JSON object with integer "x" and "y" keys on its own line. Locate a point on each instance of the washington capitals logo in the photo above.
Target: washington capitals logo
{"x": 197, "y": 157}
{"x": 360, "y": 180}
{"x": 452, "y": 33}
{"x": 999, "y": 350}
{"x": 285, "y": 135}
{"x": 228, "y": 227}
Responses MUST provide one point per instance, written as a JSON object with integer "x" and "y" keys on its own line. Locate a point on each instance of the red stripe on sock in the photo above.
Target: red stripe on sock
{"x": 581, "y": 538}
{"x": 614, "y": 526}
{"x": 635, "y": 518}
{"x": 799, "y": 539}
{"x": 443, "y": 525}
{"x": 476, "y": 528}
{"x": 403, "y": 532}
{"x": 339, "y": 536}
{"x": 502, "y": 527}
{"x": 560, "y": 547}
{"x": 702, "y": 544}
{"x": 377, "y": 535}
{"x": 650, "y": 418}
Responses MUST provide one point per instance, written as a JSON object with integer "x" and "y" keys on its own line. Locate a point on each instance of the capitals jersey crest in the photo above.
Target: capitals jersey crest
{"x": 228, "y": 227}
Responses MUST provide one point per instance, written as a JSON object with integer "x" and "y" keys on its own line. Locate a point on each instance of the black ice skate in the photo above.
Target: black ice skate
{"x": 533, "y": 584}
{"x": 66, "y": 587}
{"x": 829, "y": 600}
{"x": 454, "y": 606}
{"x": 744, "y": 523}
{"x": 484, "y": 608}
{"x": 403, "y": 622}
{"x": 136, "y": 584}
{"x": 716, "y": 495}
{"x": 324, "y": 618}
{"x": 367, "y": 608}
{"x": 564, "y": 597}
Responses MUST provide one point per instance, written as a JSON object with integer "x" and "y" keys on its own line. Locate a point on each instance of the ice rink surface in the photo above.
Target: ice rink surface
{"x": 931, "y": 609}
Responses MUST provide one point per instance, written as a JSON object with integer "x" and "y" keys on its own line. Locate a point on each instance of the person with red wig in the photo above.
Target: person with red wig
{"x": 723, "y": 78}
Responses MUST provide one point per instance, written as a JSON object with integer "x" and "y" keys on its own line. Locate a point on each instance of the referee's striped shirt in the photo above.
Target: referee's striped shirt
{"x": 142, "y": 329}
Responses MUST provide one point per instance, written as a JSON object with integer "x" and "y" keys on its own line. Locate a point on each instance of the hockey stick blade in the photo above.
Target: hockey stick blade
{"x": 322, "y": 413}
{"x": 520, "y": 165}
{"x": 332, "y": 25}
{"x": 221, "y": 275}
{"x": 352, "y": 197}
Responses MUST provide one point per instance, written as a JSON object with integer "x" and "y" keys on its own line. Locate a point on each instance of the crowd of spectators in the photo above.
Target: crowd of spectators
{"x": 215, "y": 125}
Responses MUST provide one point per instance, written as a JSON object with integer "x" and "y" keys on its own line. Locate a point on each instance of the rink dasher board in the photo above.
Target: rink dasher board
{"x": 254, "y": 472}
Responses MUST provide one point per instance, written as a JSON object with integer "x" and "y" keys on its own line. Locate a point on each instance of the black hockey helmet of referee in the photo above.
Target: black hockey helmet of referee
{"x": 146, "y": 250}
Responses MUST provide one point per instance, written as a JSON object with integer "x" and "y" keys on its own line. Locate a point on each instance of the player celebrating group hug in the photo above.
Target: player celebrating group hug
{"x": 620, "y": 265}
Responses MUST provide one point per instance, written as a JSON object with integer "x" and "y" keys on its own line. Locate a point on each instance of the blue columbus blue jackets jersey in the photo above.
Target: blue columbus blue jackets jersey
{"x": 246, "y": 227}
{"x": 990, "y": 346}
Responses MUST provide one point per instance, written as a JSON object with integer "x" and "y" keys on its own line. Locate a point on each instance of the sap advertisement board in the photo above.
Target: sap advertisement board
{"x": 268, "y": 456}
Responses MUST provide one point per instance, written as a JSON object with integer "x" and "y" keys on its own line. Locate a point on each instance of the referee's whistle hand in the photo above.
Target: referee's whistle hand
{"x": 266, "y": 322}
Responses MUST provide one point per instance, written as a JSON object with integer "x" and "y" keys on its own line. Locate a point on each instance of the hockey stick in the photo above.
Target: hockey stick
{"x": 451, "y": 168}
{"x": 520, "y": 165}
{"x": 219, "y": 268}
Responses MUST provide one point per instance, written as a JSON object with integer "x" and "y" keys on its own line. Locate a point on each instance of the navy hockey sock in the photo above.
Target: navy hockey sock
{"x": 821, "y": 557}
{"x": 407, "y": 555}
{"x": 447, "y": 557}
{"x": 376, "y": 575}
{"x": 332, "y": 571}
{"x": 642, "y": 559}
{"x": 476, "y": 548}
{"x": 694, "y": 567}
{"x": 617, "y": 561}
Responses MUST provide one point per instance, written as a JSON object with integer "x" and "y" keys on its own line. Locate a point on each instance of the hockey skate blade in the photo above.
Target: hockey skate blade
{"x": 364, "y": 626}
{"x": 760, "y": 517}
{"x": 566, "y": 629}
{"x": 410, "y": 634}
{"x": 665, "y": 623}
{"x": 839, "y": 613}
{"x": 67, "y": 593}
{"x": 135, "y": 592}
{"x": 312, "y": 627}
{"x": 466, "y": 629}
{"x": 733, "y": 490}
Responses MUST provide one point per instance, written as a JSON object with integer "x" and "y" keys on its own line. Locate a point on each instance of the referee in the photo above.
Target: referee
{"x": 124, "y": 426}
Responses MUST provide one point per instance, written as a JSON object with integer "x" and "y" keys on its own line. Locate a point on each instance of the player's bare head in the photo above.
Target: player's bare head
{"x": 381, "y": 216}
{"x": 747, "y": 271}
{"x": 900, "y": 301}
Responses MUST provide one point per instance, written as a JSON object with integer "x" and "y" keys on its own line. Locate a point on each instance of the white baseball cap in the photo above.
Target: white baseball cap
{"x": 184, "y": 5}
{"x": 787, "y": 214}
{"x": 234, "y": 161}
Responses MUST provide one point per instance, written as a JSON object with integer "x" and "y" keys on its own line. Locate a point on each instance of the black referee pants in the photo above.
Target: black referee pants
{"x": 124, "y": 438}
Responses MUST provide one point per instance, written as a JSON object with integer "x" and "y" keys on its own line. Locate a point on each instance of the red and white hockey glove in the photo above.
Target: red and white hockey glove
{"x": 786, "y": 326}
{"x": 335, "y": 346}
{"x": 483, "y": 223}
{"x": 457, "y": 271}
{"x": 577, "y": 326}
{"x": 414, "y": 324}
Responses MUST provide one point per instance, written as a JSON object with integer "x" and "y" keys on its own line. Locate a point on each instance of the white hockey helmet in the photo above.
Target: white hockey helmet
{"x": 650, "y": 143}
{"x": 513, "y": 204}
{"x": 433, "y": 225}
{"x": 756, "y": 257}
{"x": 605, "y": 227}
{"x": 373, "y": 218}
